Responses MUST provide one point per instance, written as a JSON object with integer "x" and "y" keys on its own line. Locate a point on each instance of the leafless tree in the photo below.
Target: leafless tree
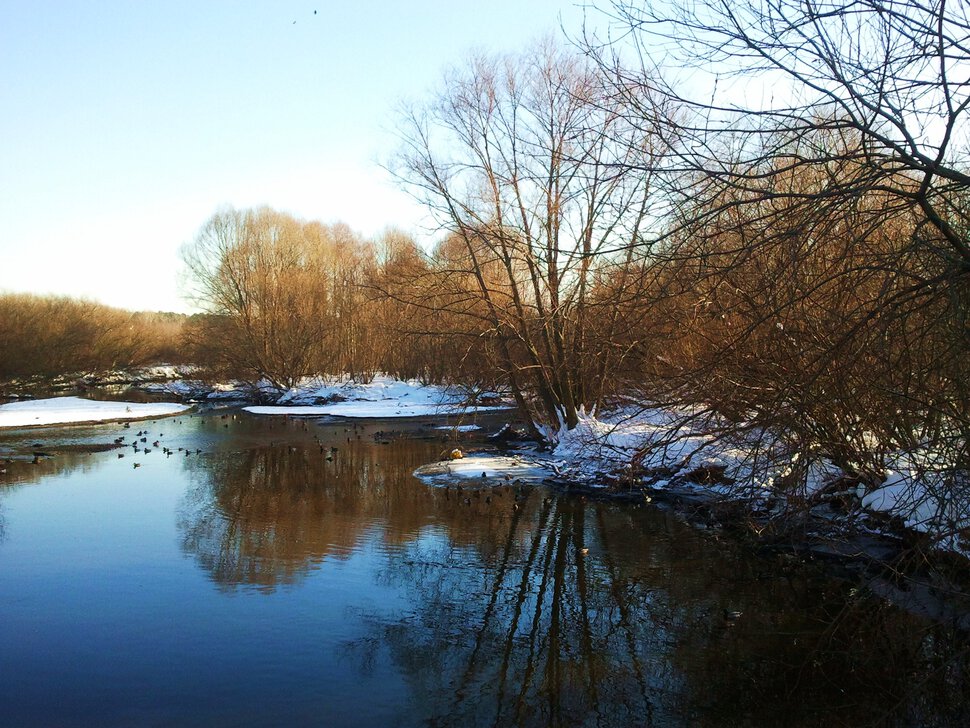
{"x": 525, "y": 162}
{"x": 47, "y": 336}
{"x": 279, "y": 293}
{"x": 814, "y": 277}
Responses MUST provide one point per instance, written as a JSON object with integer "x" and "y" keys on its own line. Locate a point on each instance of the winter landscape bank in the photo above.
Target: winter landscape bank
{"x": 634, "y": 452}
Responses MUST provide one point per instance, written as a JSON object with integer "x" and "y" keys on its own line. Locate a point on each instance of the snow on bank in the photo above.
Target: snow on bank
{"x": 688, "y": 449}
{"x": 225, "y": 392}
{"x": 389, "y": 408}
{"x": 66, "y": 410}
{"x": 382, "y": 397}
{"x": 927, "y": 498}
{"x": 486, "y": 470}
{"x": 664, "y": 441}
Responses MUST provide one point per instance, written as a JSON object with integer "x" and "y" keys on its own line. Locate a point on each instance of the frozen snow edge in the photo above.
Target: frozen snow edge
{"x": 382, "y": 397}
{"x": 77, "y": 410}
{"x": 486, "y": 470}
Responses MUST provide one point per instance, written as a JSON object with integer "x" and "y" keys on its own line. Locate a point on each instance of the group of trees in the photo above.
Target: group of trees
{"x": 812, "y": 274}
{"x": 52, "y": 335}
{"x": 785, "y": 249}
{"x": 283, "y": 297}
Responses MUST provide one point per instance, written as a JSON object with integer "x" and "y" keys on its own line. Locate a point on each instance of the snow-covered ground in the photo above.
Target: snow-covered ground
{"x": 66, "y": 410}
{"x": 663, "y": 443}
{"x": 689, "y": 450}
{"x": 382, "y": 397}
{"x": 153, "y": 373}
{"x": 195, "y": 389}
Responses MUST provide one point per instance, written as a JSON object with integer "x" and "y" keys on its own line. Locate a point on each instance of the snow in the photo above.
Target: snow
{"x": 234, "y": 391}
{"x": 669, "y": 444}
{"x": 65, "y": 410}
{"x": 388, "y": 408}
{"x": 926, "y": 498}
{"x": 663, "y": 440}
{"x": 178, "y": 387}
{"x": 167, "y": 371}
{"x": 383, "y": 397}
{"x": 459, "y": 428}
{"x": 486, "y": 469}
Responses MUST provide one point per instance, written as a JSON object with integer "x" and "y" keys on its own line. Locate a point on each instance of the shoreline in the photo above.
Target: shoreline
{"x": 90, "y": 423}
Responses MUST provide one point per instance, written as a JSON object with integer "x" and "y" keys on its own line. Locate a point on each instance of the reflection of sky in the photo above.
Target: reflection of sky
{"x": 95, "y": 591}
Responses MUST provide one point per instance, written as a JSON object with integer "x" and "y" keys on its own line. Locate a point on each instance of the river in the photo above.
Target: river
{"x": 294, "y": 572}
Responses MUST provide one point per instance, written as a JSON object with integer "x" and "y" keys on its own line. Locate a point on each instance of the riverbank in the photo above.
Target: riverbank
{"x": 722, "y": 478}
{"x": 639, "y": 452}
{"x": 690, "y": 458}
{"x": 76, "y": 411}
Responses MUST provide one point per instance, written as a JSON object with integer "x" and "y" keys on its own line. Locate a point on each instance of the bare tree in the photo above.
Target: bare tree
{"x": 273, "y": 287}
{"x": 525, "y": 161}
{"x": 788, "y": 75}
{"x": 813, "y": 282}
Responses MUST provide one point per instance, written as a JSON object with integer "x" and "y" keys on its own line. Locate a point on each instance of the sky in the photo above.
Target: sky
{"x": 125, "y": 125}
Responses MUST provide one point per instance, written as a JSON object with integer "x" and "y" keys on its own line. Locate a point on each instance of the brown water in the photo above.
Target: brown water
{"x": 258, "y": 583}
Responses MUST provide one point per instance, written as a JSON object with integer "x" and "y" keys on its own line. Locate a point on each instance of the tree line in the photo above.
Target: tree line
{"x": 47, "y": 336}
{"x": 756, "y": 212}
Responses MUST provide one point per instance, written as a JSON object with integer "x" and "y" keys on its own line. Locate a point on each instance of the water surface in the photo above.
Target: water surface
{"x": 265, "y": 578}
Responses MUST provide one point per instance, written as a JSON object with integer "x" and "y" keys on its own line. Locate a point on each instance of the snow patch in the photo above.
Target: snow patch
{"x": 658, "y": 446}
{"x": 391, "y": 408}
{"x": 383, "y": 397}
{"x": 65, "y": 410}
{"x": 486, "y": 470}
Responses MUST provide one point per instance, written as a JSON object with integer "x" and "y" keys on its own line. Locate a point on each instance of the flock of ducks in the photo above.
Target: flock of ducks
{"x": 140, "y": 444}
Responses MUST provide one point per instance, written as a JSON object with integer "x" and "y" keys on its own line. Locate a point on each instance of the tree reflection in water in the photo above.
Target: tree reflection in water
{"x": 632, "y": 632}
{"x": 20, "y": 472}
{"x": 266, "y": 516}
{"x": 525, "y": 608}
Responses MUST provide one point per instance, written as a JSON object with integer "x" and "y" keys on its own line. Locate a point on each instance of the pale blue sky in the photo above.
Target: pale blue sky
{"x": 126, "y": 124}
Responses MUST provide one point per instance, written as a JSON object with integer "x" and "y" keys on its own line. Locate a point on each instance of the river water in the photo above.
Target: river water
{"x": 257, "y": 576}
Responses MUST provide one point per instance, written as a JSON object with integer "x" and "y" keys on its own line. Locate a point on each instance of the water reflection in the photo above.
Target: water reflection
{"x": 23, "y": 470}
{"x": 524, "y": 608}
{"x": 486, "y": 607}
{"x": 536, "y": 632}
{"x": 603, "y": 617}
{"x": 268, "y": 515}
{"x": 18, "y": 469}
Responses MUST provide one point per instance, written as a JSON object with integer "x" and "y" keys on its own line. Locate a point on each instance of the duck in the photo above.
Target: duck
{"x": 732, "y": 615}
